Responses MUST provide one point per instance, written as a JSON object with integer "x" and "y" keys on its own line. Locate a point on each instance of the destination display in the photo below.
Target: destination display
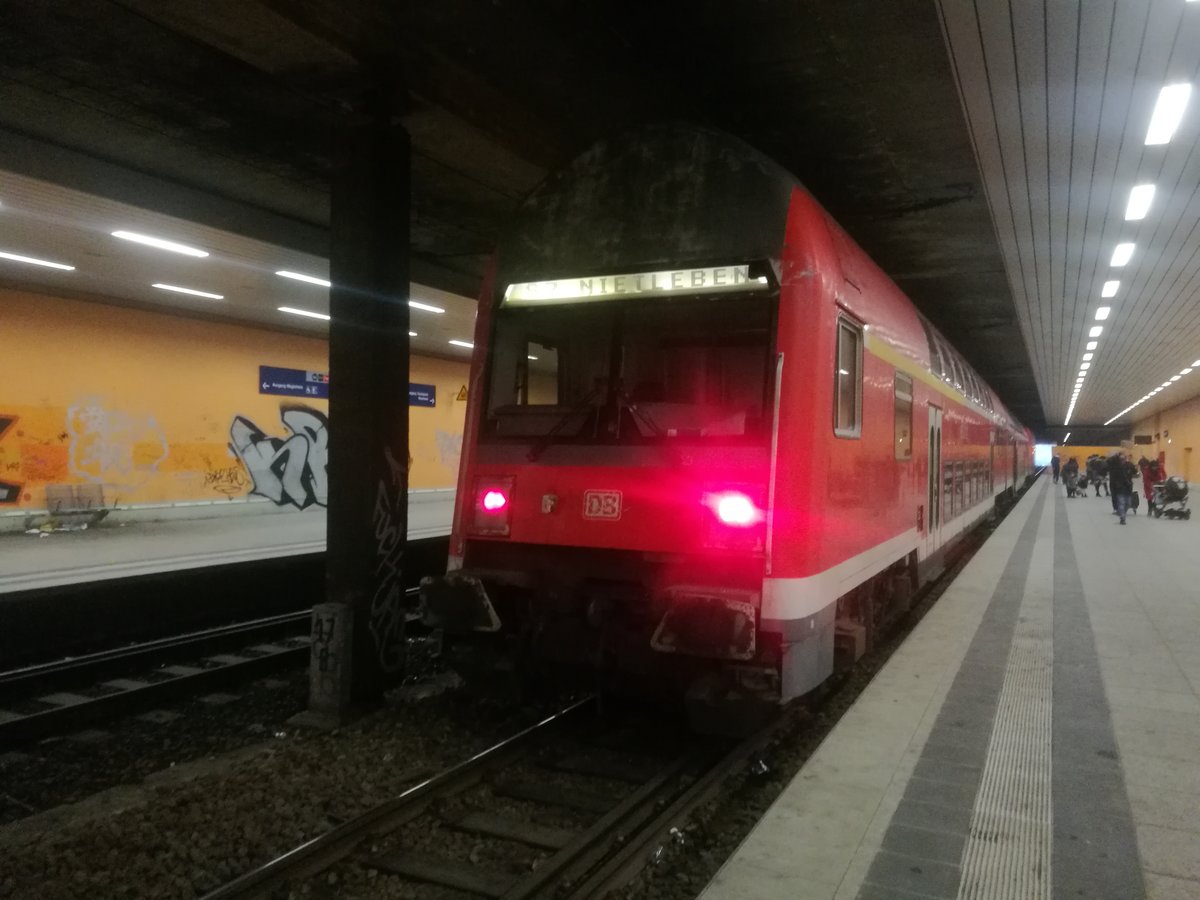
{"x": 704, "y": 280}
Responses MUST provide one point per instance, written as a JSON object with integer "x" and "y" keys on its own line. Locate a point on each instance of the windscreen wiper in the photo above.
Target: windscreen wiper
{"x": 547, "y": 439}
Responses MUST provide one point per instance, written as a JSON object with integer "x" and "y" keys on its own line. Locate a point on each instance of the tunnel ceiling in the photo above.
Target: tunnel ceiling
{"x": 241, "y": 99}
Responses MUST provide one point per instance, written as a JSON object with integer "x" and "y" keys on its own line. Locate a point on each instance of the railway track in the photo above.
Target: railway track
{"x": 60, "y": 696}
{"x": 592, "y": 810}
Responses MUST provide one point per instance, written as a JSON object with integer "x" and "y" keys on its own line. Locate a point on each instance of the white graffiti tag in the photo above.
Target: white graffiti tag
{"x": 286, "y": 470}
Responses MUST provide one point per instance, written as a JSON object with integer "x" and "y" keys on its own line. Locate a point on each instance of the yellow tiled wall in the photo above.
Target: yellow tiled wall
{"x": 143, "y": 403}
{"x": 1177, "y": 431}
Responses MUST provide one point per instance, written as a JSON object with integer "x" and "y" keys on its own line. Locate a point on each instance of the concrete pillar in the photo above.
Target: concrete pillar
{"x": 368, "y": 414}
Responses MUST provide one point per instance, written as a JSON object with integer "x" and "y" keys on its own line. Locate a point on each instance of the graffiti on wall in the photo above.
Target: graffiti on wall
{"x": 10, "y": 491}
{"x": 291, "y": 469}
{"x": 449, "y": 448}
{"x": 228, "y": 480}
{"x": 112, "y": 447}
{"x": 387, "y": 603}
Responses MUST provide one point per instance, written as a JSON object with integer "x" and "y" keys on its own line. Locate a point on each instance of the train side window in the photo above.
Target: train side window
{"x": 847, "y": 413}
{"x": 539, "y": 371}
{"x": 904, "y": 415}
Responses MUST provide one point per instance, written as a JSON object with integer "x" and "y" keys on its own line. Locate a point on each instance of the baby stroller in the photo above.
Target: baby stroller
{"x": 1071, "y": 480}
{"x": 1171, "y": 499}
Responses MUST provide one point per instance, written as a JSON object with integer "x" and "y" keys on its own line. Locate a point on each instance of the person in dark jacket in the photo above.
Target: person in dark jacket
{"x": 1054, "y": 467}
{"x": 1120, "y": 482}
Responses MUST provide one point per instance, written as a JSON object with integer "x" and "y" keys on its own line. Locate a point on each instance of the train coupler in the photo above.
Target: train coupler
{"x": 457, "y": 602}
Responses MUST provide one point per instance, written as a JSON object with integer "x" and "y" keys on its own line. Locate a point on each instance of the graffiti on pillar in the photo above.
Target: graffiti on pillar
{"x": 109, "y": 446}
{"x": 287, "y": 470}
{"x": 387, "y": 603}
{"x": 10, "y": 491}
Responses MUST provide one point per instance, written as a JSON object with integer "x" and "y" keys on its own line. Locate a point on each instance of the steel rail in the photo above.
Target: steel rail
{"x": 325, "y": 850}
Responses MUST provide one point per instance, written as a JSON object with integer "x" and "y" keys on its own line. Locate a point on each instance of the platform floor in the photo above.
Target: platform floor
{"x": 1036, "y": 736}
{"x": 137, "y": 548}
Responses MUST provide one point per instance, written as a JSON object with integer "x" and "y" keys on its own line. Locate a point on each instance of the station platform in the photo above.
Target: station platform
{"x": 1036, "y": 736}
{"x": 108, "y": 550}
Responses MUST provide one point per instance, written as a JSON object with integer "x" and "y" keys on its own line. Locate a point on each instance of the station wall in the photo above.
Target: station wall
{"x": 1175, "y": 432}
{"x": 147, "y": 409}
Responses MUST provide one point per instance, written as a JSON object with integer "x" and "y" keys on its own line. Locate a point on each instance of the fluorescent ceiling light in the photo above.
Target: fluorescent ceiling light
{"x": 1165, "y": 384}
{"x": 1121, "y": 255}
{"x": 412, "y": 334}
{"x": 1176, "y": 377}
{"x": 1140, "y": 199}
{"x": 1102, "y": 313}
{"x": 1091, "y": 345}
{"x": 36, "y": 262}
{"x": 425, "y": 306}
{"x": 182, "y": 290}
{"x": 1186, "y": 371}
{"x": 1096, "y": 331}
{"x": 159, "y": 243}
{"x": 303, "y": 312}
{"x": 1196, "y": 363}
{"x": 466, "y": 344}
{"x": 300, "y": 276}
{"x": 534, "y": 358}
{"x": 1168, "y": 112}
{"x": 1110, "y": 289}
{"x": 1087, "y": 356}
{"x": 1084, "y": 366}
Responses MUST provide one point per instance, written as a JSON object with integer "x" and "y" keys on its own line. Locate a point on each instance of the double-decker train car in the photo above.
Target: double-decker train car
{"x": 708, "y": 441}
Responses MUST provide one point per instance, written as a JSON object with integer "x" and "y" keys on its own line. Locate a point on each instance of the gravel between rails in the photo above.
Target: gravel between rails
{"x": 184, "y": 830}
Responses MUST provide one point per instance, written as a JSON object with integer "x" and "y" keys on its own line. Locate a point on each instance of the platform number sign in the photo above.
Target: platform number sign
{"x": 602, "y": 504}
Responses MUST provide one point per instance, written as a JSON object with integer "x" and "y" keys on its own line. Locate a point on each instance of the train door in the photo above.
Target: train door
{"x": 1015, "y": 475}
{"x": 933, "y": 528}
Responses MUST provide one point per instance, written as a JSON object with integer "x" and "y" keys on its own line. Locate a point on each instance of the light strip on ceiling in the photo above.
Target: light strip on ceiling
{"x": 1110, "y": 289}
{"x": 1122, "y": 253}
{"x": 15, "y": 257}
{"x": 1168, "y": 113}
{"x": 159, "y": 243}
{"x": 1149, "y": 394}
{"x": 300, "y": 276}
{"x": 1102, "y": 313}
{"x": 1096, "y": 331}
{"x": 191, "y": 291}
{"x": 466, "y": 344}
{"x": 1140, "y": 198}
{"x": 425, "y": 306}
{"x": 291, "y": 310}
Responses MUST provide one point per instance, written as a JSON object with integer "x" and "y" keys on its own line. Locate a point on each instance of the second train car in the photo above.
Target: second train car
{"x": 709, "y": 443}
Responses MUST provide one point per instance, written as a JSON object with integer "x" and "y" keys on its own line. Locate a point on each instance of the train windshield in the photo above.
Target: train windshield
{"x": 634, "y": 371}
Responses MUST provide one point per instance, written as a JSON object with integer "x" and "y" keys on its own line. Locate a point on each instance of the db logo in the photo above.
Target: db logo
{"x": 602, "y": 504}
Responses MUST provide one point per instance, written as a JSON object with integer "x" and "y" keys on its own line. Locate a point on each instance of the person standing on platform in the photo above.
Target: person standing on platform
{"x": 1054, "y": 467}
{"x": 1120, "y": 483}
{"x": 1149, "y": 479}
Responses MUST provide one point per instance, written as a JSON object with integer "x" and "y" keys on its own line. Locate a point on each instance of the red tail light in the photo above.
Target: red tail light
{"x": 492, "y": 507}
{"x": 736, "y": 509}
{"x": 737, "y": 521}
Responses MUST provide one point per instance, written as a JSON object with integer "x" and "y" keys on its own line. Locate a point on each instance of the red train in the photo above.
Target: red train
{"x": 708, "y": 440}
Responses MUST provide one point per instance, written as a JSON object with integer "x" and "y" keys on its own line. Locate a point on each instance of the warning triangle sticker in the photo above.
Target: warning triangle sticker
{"x": 462, "y": 393}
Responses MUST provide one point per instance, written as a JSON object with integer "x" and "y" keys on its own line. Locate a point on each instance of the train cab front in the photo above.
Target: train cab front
{"x": 612, "y": 510}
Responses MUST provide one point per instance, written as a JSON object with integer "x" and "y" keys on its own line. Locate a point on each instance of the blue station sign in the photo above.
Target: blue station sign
{"x": 302, "y": 383}
{"x": 293, "y": 382}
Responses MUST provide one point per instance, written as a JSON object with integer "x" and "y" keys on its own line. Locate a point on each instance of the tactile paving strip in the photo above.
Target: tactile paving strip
{"x": 1009, "y": 844}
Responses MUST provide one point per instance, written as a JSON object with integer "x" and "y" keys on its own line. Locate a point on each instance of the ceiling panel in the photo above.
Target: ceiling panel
{"x": 54, "y": 223}
{"x": 1058, "y": 96}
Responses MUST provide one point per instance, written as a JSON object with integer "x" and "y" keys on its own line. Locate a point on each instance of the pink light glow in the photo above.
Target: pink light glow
{"x": 494, "y": 501}
{"x": 736, "y": 509}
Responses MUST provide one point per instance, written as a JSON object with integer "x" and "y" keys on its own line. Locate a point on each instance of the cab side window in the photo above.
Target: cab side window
{"x": 847, "y": 413}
